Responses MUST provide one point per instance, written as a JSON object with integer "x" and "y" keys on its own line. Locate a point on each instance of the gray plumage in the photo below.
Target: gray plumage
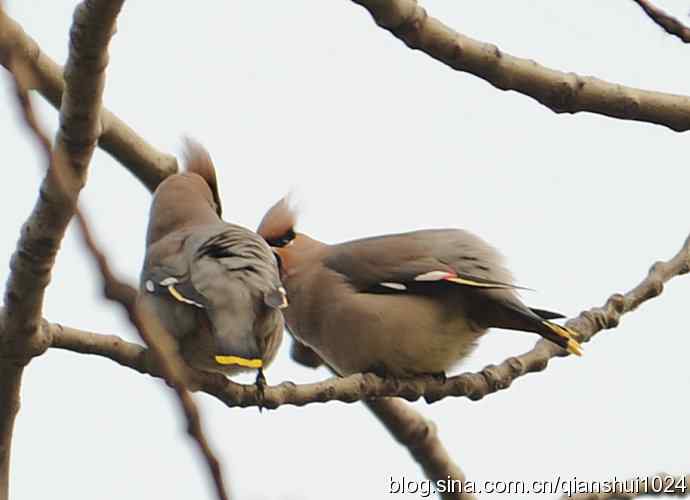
{"x": 213, "y": 285}
{"x": 401, "y": 304}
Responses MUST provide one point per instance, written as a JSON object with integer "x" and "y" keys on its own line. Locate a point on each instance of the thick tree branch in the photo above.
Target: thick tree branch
{"x": 363, "y": 386}
{"x": 146, "y": 163}
{"x": 79, "y": 128}
{"x": 655, "y": 485}
{"x": 561, "y": 92}
{"x": 670, "y": 24}
{"x": 21, "y": 335}
{"x": 10, "y": 382}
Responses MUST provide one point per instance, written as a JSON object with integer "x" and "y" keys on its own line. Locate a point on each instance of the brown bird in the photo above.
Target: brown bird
{"x": 401, "y": 304}
{"x": 213, "y": 285}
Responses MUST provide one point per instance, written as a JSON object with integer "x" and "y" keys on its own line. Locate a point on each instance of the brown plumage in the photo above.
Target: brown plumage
{"x": 214, "y": 285}
{"x": 400, "y": 304}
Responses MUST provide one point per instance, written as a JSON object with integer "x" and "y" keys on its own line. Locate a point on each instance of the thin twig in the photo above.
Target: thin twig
{"x": 172, "y": 367}
{"x": 670, "y": 24}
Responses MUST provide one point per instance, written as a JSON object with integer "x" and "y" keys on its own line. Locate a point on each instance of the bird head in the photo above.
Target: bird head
{"x": 236, "y": 281}
{"x": 278, "y": 229}
{"x": 186, "y": 199}
{"x": 246, "y": 324}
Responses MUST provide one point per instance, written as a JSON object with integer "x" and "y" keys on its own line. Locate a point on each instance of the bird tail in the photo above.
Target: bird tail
{"x": 544, "y": 314}
{"x": 562, "y": 336}
{"x": 512, "y": 314}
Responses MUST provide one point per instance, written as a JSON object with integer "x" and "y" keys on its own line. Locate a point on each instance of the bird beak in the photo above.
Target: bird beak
{"x": 240, "y": 361}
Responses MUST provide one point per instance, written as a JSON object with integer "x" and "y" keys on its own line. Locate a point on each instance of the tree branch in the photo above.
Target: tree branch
{"x": 670, "y": 24}
{"x": 10, "y": 382}
{"x": 146, "y": 163}
{"x": 164, "y": 355}
{"x": 561, "y": 92}
{"x": 419, "y": 435}
{"x": 21, "y": 335}
{"x": 408, "y": 427}
{"x": 365, "y": 386}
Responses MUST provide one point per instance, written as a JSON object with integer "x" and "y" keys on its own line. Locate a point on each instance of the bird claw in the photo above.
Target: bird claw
{"x": 440, "y": 377}
{"x": 261, "y": 385}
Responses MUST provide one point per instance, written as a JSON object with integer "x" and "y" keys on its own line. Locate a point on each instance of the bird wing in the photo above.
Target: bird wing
{"x": 229, "y": 249}
{"x": 166, "y": 270}
{"x": 190, "y": 265}
{"x": 398, "y": 261}
{"x": 422, "y": 261}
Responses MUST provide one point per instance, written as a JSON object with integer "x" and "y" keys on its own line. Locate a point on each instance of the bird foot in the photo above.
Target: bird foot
{"x": 440, "y": 376}
{"x": 261, "y": 385}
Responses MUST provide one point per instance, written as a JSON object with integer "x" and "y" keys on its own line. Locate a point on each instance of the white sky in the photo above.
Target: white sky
{"x": 375, "y": 138}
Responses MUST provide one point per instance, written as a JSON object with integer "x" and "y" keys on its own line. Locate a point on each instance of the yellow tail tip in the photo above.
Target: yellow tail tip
{"x": 572, "y": 345}
{"x": 237, "y": 360}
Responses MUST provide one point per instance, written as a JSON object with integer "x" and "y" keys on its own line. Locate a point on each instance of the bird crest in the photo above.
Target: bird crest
{"x": 278, "y": 225}
{"x": 198, "y": 161}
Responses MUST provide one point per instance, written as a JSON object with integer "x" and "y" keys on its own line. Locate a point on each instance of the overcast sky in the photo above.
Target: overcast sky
{"x": 374, "y": 138}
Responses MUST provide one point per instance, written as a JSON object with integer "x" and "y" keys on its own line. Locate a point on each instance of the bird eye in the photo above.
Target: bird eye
{"x": 282, "y": 240}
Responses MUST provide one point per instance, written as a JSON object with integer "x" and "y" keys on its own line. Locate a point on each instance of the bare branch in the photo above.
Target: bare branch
{"x": 364, "y": 386}
{"x": 10, "y": 382}
{"x": 655, "y": 485}
{"x": 127, "y": 354}
{"x": 77, "y": 137}
{"x": 21, "y": 335}
{"x": 146, "y": 163}
{"x": 172, "y": 367}
{"x": 169, "y": 365}
{"x": 420, "y": 437}
{"x": 41, "y": 235}
{"x": 407, "y": 426}
{"x": 670, "y": 24}
{"x": 561, "y": 92}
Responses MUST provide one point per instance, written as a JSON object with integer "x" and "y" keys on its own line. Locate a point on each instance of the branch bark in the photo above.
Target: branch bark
{"x": 561, "y": 92}
{"x": 163, "y": 354}
{"x": 668, "y": 23}
{"x": 146, "y": 163}
{"x": 171, "y": 367}
{"x": 366, "y": 386}
{"x": 21, "y": 335}
{"x": 420, "y": 436}
{"x": 409, "y": 428}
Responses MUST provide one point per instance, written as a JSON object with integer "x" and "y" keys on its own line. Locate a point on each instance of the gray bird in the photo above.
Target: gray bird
{"x": 214, "y": 286}
{"x": 401, "y": 304}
